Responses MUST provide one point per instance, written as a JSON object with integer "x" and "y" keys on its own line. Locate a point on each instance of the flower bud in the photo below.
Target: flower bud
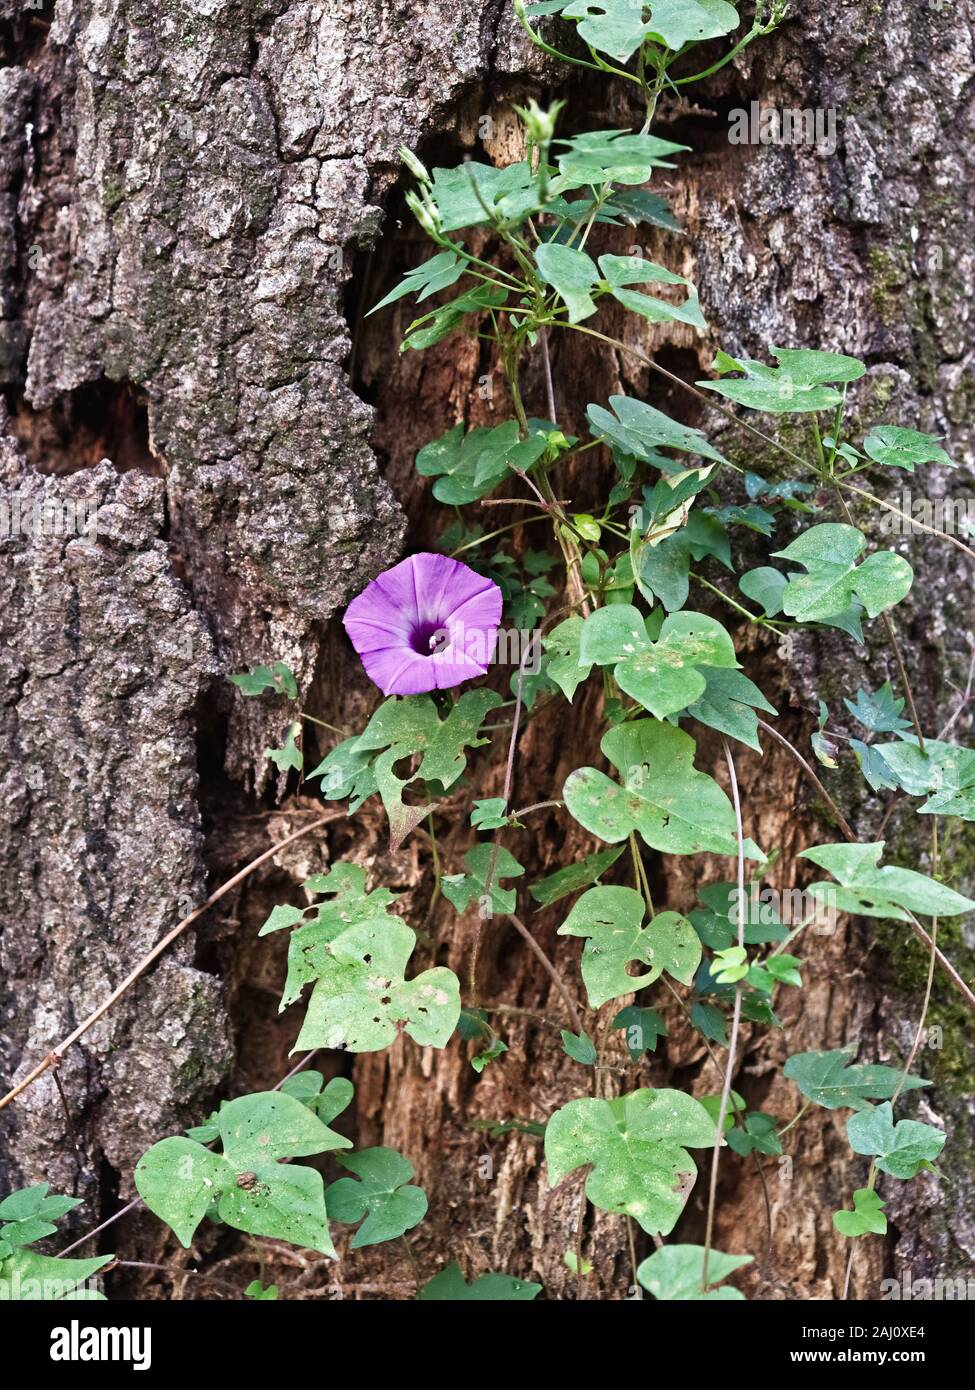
{"x": 415, "y": 166}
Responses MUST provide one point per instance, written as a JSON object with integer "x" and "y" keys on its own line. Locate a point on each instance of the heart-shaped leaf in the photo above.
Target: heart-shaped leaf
{"x": 901, "y": 1149}
{"x": 612, "y": 921}
{"x": 381, "y": 1192}
{"x": 636, "y": 1147}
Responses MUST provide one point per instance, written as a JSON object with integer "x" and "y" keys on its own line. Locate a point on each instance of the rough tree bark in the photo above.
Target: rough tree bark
{"x": 196, "y": 207}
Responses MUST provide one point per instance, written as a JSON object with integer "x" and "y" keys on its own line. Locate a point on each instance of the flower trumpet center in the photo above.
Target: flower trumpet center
{"x": 429, "y": 637}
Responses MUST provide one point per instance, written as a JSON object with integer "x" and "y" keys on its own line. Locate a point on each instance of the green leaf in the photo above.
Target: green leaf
{"x": 279, "y": 678}
{"x": 469, "y": 465}
{"x": 661, "y": 569}
{"x": 879, "y": 712}
{"x": 404, "y": 726}
{"x": 24, "y": 1203}
{"x": 580, "y": 1047}
{"x": 676, "y": 1272}
{"x": 870, "y": 891}
{"x": 562, "y": 647}
{"x": 828, "y": 1079}
{"x": 256, "y": 1291}
{"x": 662, "y": 675}
{"x": 798, "y": 384}
{"x": 460, "y": 889}
{"x": 676, "y": 809}
{"x": 757, "y": 1136}
{"x": 900, "y": 448}
{"x": 765, "y": 586}
{"x": 309, "y": 949}
{"x": 678, "y": 22}
{"x": 614, "y": 27}
{"x": 327, "y": 1101}
{"x": 639, "y": 430}
{"x": 943, "y": 772}
{"x": 434, "y": 327}
{"x": 643, "y": 1029}
{"x": 717, "y": 922}
{"x": 901, "y": 1150}
{"x": 620, "y": 271}
{"x": 574, "y": 876}
{"x": 289, "y": 757}
{"x": 490, "y": 1054}
{"x": 636, "y": 1147}
{"x": 611, "y": 156}
{"x": 473, "y": 195}
{"x": 438, "y": 273}
{"x": 729, "y": 703}
{"x": 833, "y": 580}
{"x": 490, "y": 814}
{"x": 28, "y": 1277}
{"x": 180, "y": 1181}
{"x": 709, "y": 1021}
{"x": 380, "y": 1192}
{"x": 867, "y": 1217}
{"x": 572, "y": 274}
{"x": 449, "y": 1286}
{"x": 612, "y": 921}
{"x": 362, "y": 995}
{"x": 730, "y": 965}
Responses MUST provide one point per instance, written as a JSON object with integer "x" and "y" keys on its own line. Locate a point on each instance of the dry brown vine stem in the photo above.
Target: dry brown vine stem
{"x": 729, "y": 1070}
{"x": 946, "y": 965}
{"x": 919, "y": 525}
{"x": 54, "y": 1057}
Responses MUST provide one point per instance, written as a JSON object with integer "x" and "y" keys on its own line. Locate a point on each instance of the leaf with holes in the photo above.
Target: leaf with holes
{"x": 867, "y": 890}
{"x": 362, "y": 996}
{"x": 247, "y": 1185}
{"x": 309, "y": 949}
{"x": 381, "y": 1192}
{"x": 636, "y": 1147}
{"x": 678, "y": 22}
{"x": 405, "y": 727}
{"x": 611, "y": 920}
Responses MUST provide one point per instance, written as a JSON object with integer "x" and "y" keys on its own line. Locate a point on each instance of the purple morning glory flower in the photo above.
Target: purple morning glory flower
{"x": 427, "y": 624}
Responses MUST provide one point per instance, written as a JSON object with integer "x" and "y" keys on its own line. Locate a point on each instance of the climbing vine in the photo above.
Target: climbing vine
{"x": 610, "y": 603}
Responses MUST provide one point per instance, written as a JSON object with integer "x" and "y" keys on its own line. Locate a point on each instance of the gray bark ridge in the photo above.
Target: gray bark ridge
{"x": 181, "y": 194}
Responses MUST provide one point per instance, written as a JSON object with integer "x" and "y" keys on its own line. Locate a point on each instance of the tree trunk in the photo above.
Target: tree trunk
{"x": 198, "y": 207}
